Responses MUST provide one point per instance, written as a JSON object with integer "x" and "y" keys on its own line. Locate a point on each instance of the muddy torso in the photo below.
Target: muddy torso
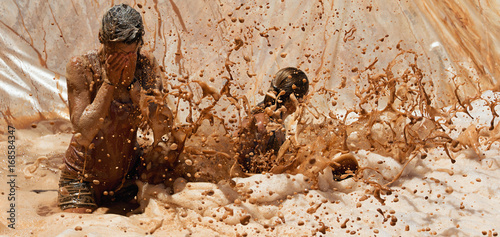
{"x": 271, "y": 135}
{"x": 263, "y": 139}
{"x": 114, "y": 151}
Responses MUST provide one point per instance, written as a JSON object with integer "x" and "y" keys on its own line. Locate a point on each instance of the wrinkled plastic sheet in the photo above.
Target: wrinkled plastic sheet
{"x": 456, "y": 43}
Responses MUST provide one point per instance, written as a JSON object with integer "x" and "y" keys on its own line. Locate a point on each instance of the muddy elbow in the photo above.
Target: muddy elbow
{"x": 83, "y": 141}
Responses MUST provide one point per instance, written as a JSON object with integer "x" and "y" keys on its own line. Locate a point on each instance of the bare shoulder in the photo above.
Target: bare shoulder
{"x": 76, "y": 63}
{"x": 76, "y": 69}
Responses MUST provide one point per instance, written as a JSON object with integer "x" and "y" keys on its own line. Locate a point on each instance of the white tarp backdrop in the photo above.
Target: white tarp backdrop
{"x": 456, "y": 43}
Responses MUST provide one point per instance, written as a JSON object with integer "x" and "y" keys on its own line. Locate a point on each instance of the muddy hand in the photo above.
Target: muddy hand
{"x": 114, "y": 67}
{"x": 128, "y": 70}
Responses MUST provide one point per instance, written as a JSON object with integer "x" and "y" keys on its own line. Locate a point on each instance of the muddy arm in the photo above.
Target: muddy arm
{"x": 87, "y": 116}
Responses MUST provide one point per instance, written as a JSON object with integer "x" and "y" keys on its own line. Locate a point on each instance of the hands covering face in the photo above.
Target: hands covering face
{"x": 121, "y": 63}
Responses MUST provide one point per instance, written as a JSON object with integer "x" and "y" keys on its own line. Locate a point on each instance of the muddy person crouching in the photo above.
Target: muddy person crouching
{"x": 112, "y": 92}
{"x": 263, "y": 133}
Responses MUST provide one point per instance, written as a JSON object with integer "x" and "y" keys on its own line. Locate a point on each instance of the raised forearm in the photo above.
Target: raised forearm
{"x": 92, "y": 118}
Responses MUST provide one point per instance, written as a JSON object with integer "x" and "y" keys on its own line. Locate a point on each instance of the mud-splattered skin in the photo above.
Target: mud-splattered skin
{"x": 111, "y": 93}
{"x": 257, "y": 140}
{"x": 263, "y": 133}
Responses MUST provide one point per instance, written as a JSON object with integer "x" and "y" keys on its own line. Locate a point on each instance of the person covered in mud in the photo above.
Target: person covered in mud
{"x": 263, "y": 133}
{"x": 112, "y": 91}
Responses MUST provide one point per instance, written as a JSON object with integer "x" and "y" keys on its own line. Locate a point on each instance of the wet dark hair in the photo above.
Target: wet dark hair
{"x": 291, "y": 80}
{"x": 121, "y": 23}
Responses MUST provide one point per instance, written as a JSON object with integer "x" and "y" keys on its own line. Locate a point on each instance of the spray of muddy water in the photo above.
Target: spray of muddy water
{"x": 395, "y": 111}
{"x": 372, "y": 89}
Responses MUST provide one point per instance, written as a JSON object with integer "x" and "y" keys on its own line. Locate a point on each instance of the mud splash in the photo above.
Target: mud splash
{"x": 406, "y": 106}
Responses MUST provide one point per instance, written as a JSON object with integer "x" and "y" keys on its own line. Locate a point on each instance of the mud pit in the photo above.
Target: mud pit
{"x": 409, "y": 89}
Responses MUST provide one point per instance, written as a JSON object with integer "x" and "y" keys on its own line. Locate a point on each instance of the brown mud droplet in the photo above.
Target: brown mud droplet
{"x": 244, "y": 220}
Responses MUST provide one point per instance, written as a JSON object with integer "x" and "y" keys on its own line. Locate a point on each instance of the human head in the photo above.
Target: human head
{"x": 290, "y": 80}
{"x": 121, "y": 23}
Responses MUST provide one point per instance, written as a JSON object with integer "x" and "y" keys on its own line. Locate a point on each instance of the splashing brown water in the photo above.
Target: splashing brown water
{"x": 395, "y": 117}
{"x": 376, "y": 87}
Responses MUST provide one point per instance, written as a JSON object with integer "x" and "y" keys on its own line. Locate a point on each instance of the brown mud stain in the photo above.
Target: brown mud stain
{"x": 43, "y": 63}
